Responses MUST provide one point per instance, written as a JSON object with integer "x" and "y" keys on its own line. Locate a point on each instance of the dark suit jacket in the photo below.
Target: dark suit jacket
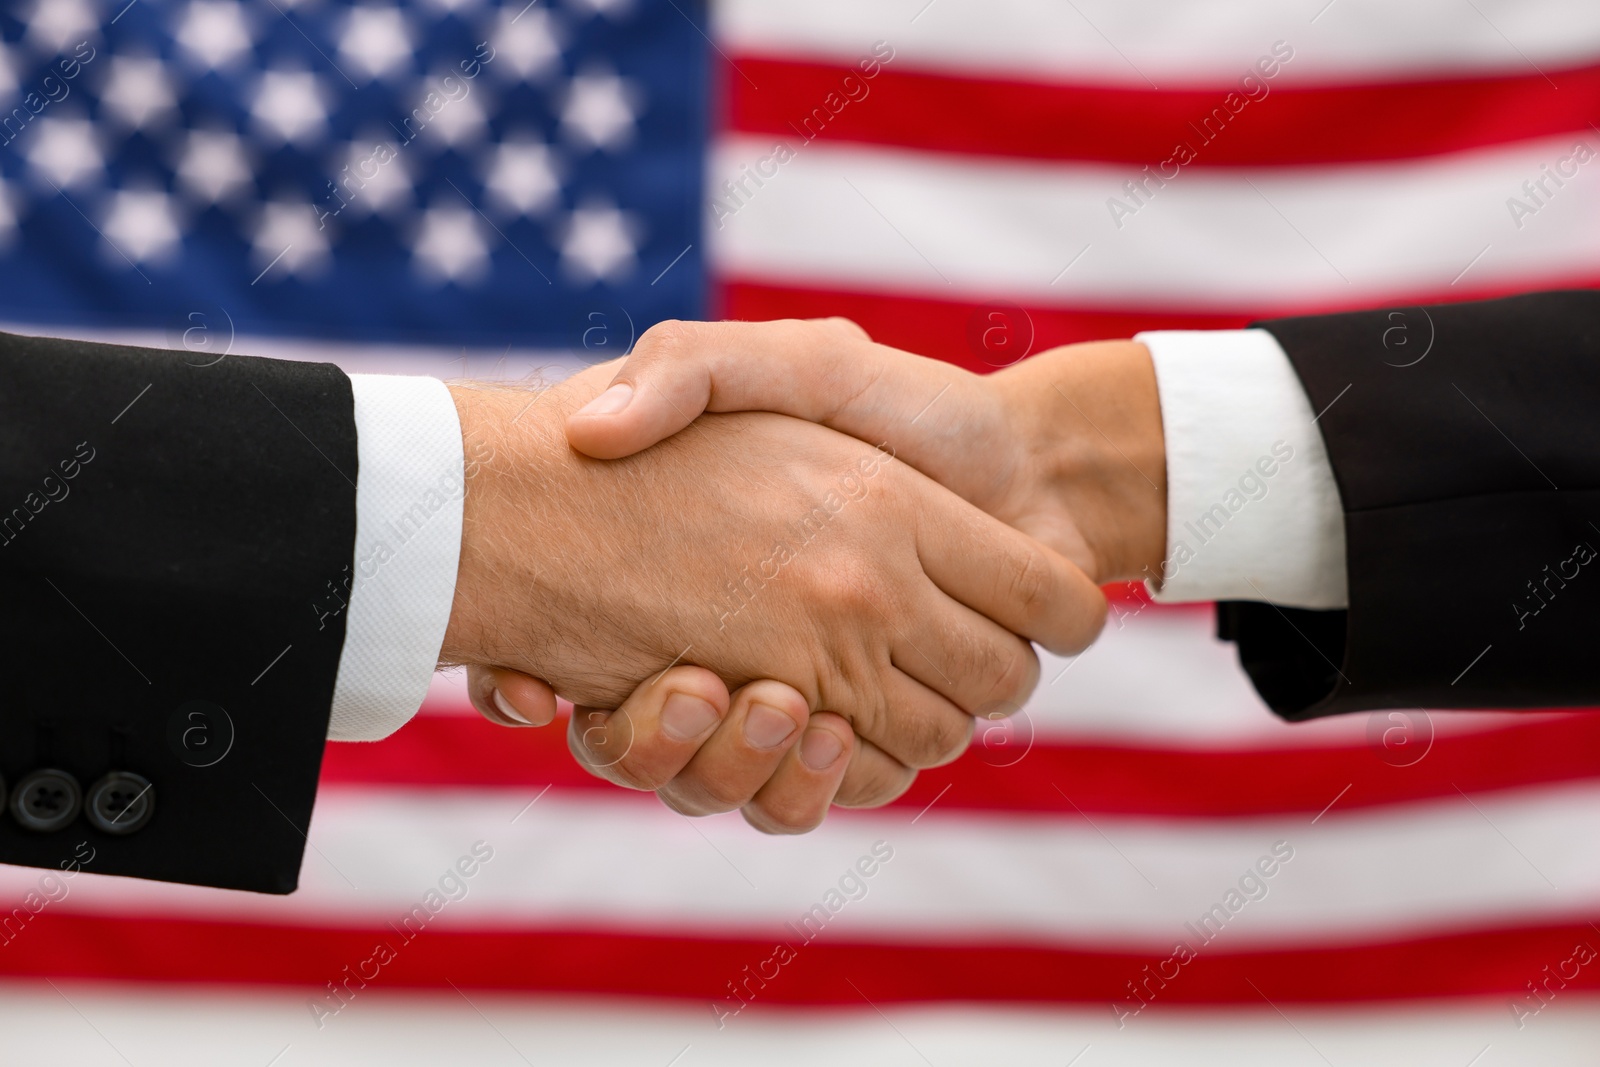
{"x": 165, "y": 530}
{"x": 1465, "y": 441}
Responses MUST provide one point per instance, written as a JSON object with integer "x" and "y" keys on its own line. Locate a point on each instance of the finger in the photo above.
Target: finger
{"x": 510, "y": 698}
{"x": 647, "y": 741}
{"x": 1007, "y": 576}
{"x": 766, "y": 719}
{"x": 796, "y": 799}
{"x": 680, "y": 369}
{"x": 873, "y": 779}
{"x": 965, "y": 658}
{"x": 790, "y": 799}
{"x": 916, "y": 723}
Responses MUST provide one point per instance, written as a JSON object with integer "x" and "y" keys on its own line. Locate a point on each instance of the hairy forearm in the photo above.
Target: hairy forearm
{"x": 503, "y": 439}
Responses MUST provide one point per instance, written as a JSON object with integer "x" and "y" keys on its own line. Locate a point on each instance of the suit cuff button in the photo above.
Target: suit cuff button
{"x": 120, "y": 803}
{"x": 46, "y": 801}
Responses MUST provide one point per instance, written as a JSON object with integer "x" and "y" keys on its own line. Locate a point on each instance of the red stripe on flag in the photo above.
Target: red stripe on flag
{"x": 952, "y": 330}
{"x": 1007, "y": 772}
{"x": 1032, "y": 120}
{"x": 939, "y": 328}
{"x": 569, "y": 960}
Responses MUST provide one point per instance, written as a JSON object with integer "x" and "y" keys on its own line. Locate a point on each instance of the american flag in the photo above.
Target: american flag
{"x": 1144, "y": 866}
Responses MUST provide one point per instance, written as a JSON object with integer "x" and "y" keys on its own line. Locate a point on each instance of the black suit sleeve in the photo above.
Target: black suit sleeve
{"x": 165, "y": 530}
{"x": 1465, "y": 442}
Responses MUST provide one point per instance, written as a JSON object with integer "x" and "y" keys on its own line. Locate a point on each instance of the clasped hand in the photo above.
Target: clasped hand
{"x": 796, "y": 563}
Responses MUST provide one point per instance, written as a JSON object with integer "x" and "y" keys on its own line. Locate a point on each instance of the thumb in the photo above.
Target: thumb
{"x": 679, "y": 370}
{"x": 649, "y": 400}
{"x": 510, "y": 698}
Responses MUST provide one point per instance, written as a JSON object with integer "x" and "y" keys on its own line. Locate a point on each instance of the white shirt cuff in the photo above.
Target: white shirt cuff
{"x": 401, "y": 583}
{"x": 1253, "y": 512}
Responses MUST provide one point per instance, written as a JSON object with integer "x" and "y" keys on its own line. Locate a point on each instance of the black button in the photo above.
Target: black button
{"x": 46, "y": 800}
{"x": 120, "y": 803}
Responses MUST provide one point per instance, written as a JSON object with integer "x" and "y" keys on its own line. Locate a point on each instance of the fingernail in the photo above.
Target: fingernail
{"x": 684, "y": 718}
{"x": 507, "y": 710}
{"x": 819, "y": 749}
{"x": 609, "y": 402}
{"x": 767, "y": 727}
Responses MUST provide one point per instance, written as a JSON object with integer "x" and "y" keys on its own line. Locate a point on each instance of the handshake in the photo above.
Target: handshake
{"x": 796, "y": 563}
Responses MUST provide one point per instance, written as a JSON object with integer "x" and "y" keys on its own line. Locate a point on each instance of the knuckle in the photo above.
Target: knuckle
{"x": 1017, "y": 673}
{"x": 1000, "y": 671}
{"x": 928, "y": 739}
{"x": 851, "y": 590}
{"x": 948, "y": 739}
{"x": 848, "y": 327}
{"x": 1030, "y": 581}
{"x": 1094, "y": 621}
{"x": 667, "y": 340}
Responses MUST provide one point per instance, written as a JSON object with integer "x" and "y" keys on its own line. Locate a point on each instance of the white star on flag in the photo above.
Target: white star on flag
{"x": 55, "y": 24}
{"x": 600, "y": 243}
{"x": 450, "y": 245}
{"x": 460, "y": 119}
{"x": 522, "y": 177}
{"x": 376, "y": 41}
{"x": 66, "y": 151}
{"x": 611, "y": 9}
{"x": 8, "y": 216}
{"x": 214, "y": 165}
{"x": 288, "y": 240}
{"x": 8, "y": 74}
{"x": 370, "y": 178}
{"x": 526, "y": 46}
{"x": 216, "y": 32}
{"x": 142, "y": 225}
{"x": 138, "y": 90}
{"x": 600, "y": 110}
{"x": 291, "y": 105}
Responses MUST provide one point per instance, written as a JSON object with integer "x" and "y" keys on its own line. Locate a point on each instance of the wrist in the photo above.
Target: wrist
{"x": 1092, "y": 420}
{"x": 503, "y": 439}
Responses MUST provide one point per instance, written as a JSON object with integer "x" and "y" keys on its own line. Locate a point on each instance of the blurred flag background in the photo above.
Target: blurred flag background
{"x": 1144, "y": 866}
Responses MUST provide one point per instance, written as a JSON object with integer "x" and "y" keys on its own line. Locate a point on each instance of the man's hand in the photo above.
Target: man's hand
{"x": 758, "y": 547}
{"x": 703, "y": 751}
{"x": 1066, "y": 446}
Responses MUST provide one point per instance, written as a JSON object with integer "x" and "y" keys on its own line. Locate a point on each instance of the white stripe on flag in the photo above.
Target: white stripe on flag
{"x": 932, "y": 225}
{"x": 1170, "y": 43}
{"x": 1118, "y": 882}
{"x": 92, "y": 1024}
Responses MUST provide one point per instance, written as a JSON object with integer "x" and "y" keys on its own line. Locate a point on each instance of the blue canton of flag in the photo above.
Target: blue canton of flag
{"x": 437, "y": 171}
